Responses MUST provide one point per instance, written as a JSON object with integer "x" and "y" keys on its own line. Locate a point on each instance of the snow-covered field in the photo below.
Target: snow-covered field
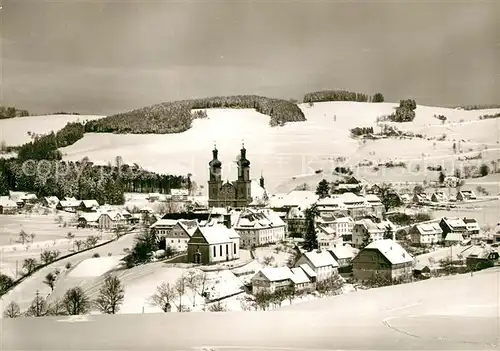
{"x": 275, "y": 257}
{"x": 297, "y": 148}
{"x": 14, "y": 131}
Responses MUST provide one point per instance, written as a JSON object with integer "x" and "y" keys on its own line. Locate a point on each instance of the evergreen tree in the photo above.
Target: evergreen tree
{"x": 378, "y": 97}
{"x": 310, "y": 239}
{"x": 323, "y": 189}
{"x": 442, "y": 176}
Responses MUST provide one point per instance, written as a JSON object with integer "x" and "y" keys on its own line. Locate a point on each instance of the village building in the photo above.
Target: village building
{"x": 426, "y": 234}
{"x": 384, "y": 257}
{"x": 453, "y": 238}
{"x": 343, "y": 255}
{"x": 454, "y": 226}
{"x": 366, "y": 230}
{"x": 89, "y": 220}
{"x": 481, "y": 257}
{"x": 88, "y": 206}
{"x": 301, "y": 281}
{"x": 439, "y": 196}
{"x": 466, "y": 195}
{"x": 236, "y": 194}
{"x": 321, "y": 262}
{"x": 355, "y": 206}
{"x": 472, "y": 226}
{"x": 213, "y": 243}
{"x": 421, "y": 198}
{"x": 330, "y": 206}
{"x": 68, "y": 204}
{"x": 273, "y": 279}
{"x": 163, "y": 227}
{"x": 178, "y": 237}
{"x": 341, "y": 225}
{"x": 451, "y": 182}
{"x": 7, "y": 206}
{"x": 49, "y": 201}
{"x": 376, "y": 205}
{"x": 259, "y": 227}
{"x": 326, "y": 238}
{"x": 111, "y": 220}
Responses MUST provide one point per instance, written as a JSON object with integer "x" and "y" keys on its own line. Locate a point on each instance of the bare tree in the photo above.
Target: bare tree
{"x": 92, "y": 241}
{"x": 29, "y": 265}
{"x": 111, "y": 295}
{"x": 12, "y": 310}
{"x": 38, "y": 307}
{"x": 50, "y": 280}
{"x": 180, "y": 288}
{"x": 49, "y": 256}
{"x": 268, "y": 260}
{"x": 193, "y": 280}
{"x": 79, "y": 244}
{"x": 163, "y": 297}
{"x": 32, "y": 237}
{"x": 23, "y": 236}
{"x": 76, "y": 301}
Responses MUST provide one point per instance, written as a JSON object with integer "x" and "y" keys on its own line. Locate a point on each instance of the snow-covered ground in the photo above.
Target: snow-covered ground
{"x": 14, "y": 131}
{"x": 298, "y": 148}
{"x": 95, "y": 267}
{"x": 275, "y": 257}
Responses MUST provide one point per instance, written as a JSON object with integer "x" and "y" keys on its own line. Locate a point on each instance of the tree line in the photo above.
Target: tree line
{"x": 12, "y": 112}
{"x": 176, "y": 116}
{"x": 341, "y": 95}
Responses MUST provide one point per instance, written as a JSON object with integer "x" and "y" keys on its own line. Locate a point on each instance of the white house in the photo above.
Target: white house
{"x": 259, "y": 227}
{"x": 178, "y": 237}
{"x": 7, "y": 206}
{"x": 367, "y": 228}
{"x": 426, "y": 234}
{"x": 272, "y": 279}
{"x": 321, "y": 262}
{"x": 213, "y": 243}
{"x": 439, "y": 196}
{"x": 163, "y": 227}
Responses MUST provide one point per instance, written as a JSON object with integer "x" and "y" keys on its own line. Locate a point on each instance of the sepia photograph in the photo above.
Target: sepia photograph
{"x": 249, "y": 175}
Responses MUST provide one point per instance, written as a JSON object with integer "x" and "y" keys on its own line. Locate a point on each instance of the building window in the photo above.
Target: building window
{"x": 215, "y": 251}
{"x": 234, "y": 247}
{"x": 227, "y": 249}
{"x": 220, "y": 249}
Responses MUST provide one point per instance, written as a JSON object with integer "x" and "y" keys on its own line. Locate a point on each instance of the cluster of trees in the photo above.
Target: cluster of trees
{"x": 83, "y": 179}
{"x": 323, "y": 189}
{"x": 176, "y": 116}
{"x": 12, "y": 112}
{"x": 74, "y": 302}
{"x": 169, "y": 295}
{"x": 341, "y": 95}
{"x": 404, "y": 219}
{"x": 359, "y": 131}
{"x": 496, "y": 115}
{"x": 405, "y": 112}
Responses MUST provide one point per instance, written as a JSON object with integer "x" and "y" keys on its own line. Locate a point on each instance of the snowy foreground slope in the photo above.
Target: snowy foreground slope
{"x": 296, "y": 149}
{"x": 14, "y": 131}
{"x": 450, "y": 313}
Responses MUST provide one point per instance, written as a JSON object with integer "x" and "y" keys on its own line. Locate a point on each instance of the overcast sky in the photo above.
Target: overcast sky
{"x": 103, "y": 57}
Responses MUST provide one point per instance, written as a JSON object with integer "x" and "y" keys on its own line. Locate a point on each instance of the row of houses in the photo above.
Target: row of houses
{"x": 448, "y": 230}
{"x": 442, "y": 197}
{"x": 384, "y": 257}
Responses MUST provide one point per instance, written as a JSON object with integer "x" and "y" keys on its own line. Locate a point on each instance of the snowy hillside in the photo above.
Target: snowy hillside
{"x": 297, "y": 149}
{"x": 14, "y": 131}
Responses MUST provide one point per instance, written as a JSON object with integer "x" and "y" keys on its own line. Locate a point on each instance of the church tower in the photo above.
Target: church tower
{"x": 215, "y": 179}
{"x": 243, "y": 184}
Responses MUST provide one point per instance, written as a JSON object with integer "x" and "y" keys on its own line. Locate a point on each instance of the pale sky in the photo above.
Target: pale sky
{"x": 104, "y": 57}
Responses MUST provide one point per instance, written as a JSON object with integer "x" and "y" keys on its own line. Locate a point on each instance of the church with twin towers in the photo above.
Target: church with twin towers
{"x": 236, "y": 194}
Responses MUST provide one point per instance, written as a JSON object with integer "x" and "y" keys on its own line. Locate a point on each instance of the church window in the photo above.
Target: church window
{"x": 227, "y": 249}
{"x": 220, "y": 249}
{"x": 215, "y": 251}
{"x": 234, "y": 247}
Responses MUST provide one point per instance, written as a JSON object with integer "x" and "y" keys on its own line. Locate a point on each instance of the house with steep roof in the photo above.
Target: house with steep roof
{"x": 326, "y": 238}
{"x": 163, "y": 227}
{"x": 481, "y": 257}
{"x": 321, "y": 262}
{"x": 88, "y": 205}
{"x": 7, "y": 206}
{"x": 439, "y": 196}
{"x": 111, "y": 220}
{"x": 213, "y": 243}
{"x": 385, "y": 257}
{"x": 466, "y": 195}
{"x": 367, "y": 230}
{"x": 271, "y": 279}
{"x": 343, "y": 255}
{"x": 453, "y": 225}
{"x": 178, "y": 237}
{"x": 68, "y": 205}
{"x": 259, "y": 227}
{"x": 453, "y": 239}
{"x": 421, "y": 198}
{"x": 89, "y": 220}
{"x": 472, "y": 226}
{"x": 301, "y": 281}
{"x": 49, "y": 201}
{"x": 426, "y": 234}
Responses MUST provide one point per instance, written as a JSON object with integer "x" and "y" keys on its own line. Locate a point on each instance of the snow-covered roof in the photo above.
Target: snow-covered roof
{"x": 428, "y": 228}
{"x": 327, "y": 230}
{"x": 6, "y": 202}
{"x": 218, "y": 234}
{"x": 29, "y": 196}
{"x": 454, "y": 223}
{"x": 51, "y": 200}
{"x": 179, "y": 192}
{"x": 257, "y": 218}
{"x": 320, "y": 259}
{"x": 452, "y": 236}
{"x": 275, "y": 274}
{"x": 69, "y": 203}
{"x": 308, "y": 270}
{"x": 189, "y": 226}
{"x": 391, "y": 250}
{"x": 371, "y": 226}
{"x": 330, "y": 202}
{"x": 299, "y": 276}
{"x": 90, "y": 203}
{"x": 164, "y": 223}
{"x": 372, "y": 198}
{"x": 91, "y": 216}
{"x": 342, "y": 252}
{"x": 480, "y": 251}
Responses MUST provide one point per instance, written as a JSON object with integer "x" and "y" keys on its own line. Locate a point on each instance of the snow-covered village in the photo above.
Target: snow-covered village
{"x": 249, "y": 175}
